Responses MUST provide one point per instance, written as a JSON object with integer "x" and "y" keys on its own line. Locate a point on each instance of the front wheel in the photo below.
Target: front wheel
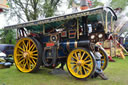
{"x": 27, "y": 55}
{"x": 81, "y": 63}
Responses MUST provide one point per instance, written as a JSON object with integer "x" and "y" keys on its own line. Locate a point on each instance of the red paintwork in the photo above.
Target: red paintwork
{"x": 49, "y": 44}
{"x": 1, "y": 10}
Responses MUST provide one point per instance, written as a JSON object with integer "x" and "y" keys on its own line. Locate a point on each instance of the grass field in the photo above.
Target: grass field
{"x": 117, "y": 73}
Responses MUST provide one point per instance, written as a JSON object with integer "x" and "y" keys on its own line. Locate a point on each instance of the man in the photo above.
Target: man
{"x": 99, "y": 71}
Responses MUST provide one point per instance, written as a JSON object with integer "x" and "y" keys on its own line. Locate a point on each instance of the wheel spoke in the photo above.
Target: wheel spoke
{"x": 19, "y": 54}
{"x": 79, "y": 54}
{"x": 21, "y": 49}
{"x": 88, "y": 61}
{"x": 80, "y": 69}
{"x": 84, "y": 70}
{"x": 20, "y": 58}
{"x": 33, "y": 61}
{"x": 29, "y": 44}
{"x": 73, "y": 64}
{"x": 26, "y": 62}
{"x": 24, "y": 48}
{"x": 21, "y": 61}
{"x": 24, "y": 45}
{"x": 74, "y": 57}
{"x": 82, "y": 55}
{"x": 27, "y": 47}
{"x": 31, "y": 47}
{"x": 30, "y": 61}
{"x": 87, "y": 68}
{"x": 85, "y": 58}
{"x": 89, "y": 65}
{"x": 33, "y": 57}
{"x": 75, "y": 68}
{"x": 24, "y": 66}
{"x": 34, "y": 54}
{"x": 73, "y": 61}
{"x": 34, "y": 51}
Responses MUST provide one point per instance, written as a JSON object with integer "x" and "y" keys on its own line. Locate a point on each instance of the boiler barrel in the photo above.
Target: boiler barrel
{"x": 70, "y": 44}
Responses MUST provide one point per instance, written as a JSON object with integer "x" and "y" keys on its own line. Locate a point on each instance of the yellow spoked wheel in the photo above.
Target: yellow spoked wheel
{"x": 27, "y": 55}
{"x": 80, "y": 63}
{"x": 104, "y": 59}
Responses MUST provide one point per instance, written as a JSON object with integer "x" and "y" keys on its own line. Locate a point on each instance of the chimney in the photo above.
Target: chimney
{"x": 83, "y": 5}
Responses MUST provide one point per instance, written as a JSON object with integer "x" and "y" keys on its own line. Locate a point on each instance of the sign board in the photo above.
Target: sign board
{"x": 4, "y": 4}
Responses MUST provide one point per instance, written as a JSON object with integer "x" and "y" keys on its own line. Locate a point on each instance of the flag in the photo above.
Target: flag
{"x": 89, "y": 3}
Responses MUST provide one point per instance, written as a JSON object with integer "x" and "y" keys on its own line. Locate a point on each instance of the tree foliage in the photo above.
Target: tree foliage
{"x": 94, "y": 3}
{"x": 50, "y": 6}
{"x": 97, "y": 3}
{"x": 7, "y": 36}
{"x": 119, "y": 3}
{"x": 27, "y": 10}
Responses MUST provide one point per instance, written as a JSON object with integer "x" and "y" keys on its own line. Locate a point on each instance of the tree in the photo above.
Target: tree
{"x": 119, "y": 3}
{"x": 95, "y": 3}
{"x": 7, "y": 36}
{"x": 27, "y": 10}
{"x": 50, "y": 6}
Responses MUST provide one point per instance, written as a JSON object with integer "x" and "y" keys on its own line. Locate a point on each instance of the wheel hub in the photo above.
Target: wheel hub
{"x": 25, "y": 54}
{"x": 80, "y": 62}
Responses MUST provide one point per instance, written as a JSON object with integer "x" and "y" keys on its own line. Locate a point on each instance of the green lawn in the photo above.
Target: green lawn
{"x": 117, "y": 73}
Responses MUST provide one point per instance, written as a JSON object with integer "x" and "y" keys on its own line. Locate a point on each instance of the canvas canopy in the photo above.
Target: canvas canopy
{"x": 58, "y": 21}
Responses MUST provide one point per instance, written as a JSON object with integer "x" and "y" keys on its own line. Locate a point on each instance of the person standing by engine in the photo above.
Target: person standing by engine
{"x": 99, "y": 71}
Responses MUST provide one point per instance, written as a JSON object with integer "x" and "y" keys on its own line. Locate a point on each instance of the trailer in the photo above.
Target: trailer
{"x": 69, "y": 39}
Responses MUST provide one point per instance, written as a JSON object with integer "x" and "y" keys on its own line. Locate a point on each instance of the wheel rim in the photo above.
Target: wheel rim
{"x": 80, "y": 63}
{"x": 103, "y": 60}
{"x": 26, "y": 55}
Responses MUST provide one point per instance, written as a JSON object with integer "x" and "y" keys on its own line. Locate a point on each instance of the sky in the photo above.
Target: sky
{"x": 2, "y": 20}
{"x": 63, "y": 8}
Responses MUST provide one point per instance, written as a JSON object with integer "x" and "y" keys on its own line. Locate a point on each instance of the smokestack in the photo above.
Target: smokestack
{"x": 83, "y": 5}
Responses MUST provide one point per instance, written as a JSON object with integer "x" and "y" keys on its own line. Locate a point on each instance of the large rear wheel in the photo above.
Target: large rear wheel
{"x": 81, "y": 63}
{"x": 27, "y": 55}
{"x": 104, "y": 59}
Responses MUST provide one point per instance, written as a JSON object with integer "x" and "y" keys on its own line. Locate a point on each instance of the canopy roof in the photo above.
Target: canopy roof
{"x": 55, "y": 21}
{"x": 58, "y": 18}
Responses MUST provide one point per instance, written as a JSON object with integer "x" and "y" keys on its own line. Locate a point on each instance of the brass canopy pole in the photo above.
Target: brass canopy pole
{"x": 43, "y": 29}
{"x": 77, "y": 28}
{"x": 106, "y": 25}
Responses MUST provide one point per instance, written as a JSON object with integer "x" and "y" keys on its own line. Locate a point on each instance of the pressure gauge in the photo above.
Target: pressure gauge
{"x": 53, "y": 38}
